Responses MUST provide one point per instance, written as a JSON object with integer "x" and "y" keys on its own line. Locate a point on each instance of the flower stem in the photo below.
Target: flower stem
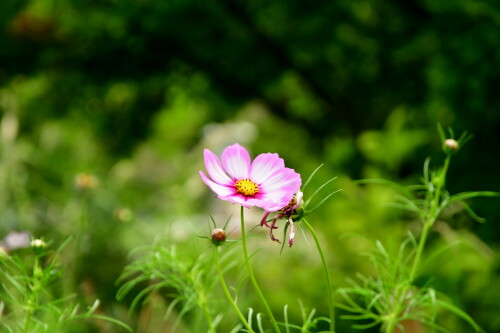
{"x": 34, "y": 286}
{"x": 391, "y": 326}
{"x": 251, "y": 275}
{"x": 431, "y": 217}
{"x": 331, "y": 303}
{"x": 228, "y": 294}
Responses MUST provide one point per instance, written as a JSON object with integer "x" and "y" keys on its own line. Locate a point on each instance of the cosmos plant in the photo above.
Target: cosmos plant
{"x": 266, "y": 183}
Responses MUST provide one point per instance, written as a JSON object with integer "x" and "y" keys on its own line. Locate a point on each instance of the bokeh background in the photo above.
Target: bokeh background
{"x": 106, "y": 107}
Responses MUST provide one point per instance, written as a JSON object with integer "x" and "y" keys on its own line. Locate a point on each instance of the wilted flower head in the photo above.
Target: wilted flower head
{"x": 292, "y": 212}
{"x": 264, "y": 183}
{"x": 295, "y": 210}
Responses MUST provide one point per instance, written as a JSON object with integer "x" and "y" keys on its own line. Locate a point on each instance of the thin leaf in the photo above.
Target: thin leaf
{"x": 460, "y": 313}
{"x": 112, "y": 320}
{"x": 324, "y": 200}
{"x": 464, "y": 138}
{"x": 284, "y": 237}
{"x": 427, "y": 162}
{"x": 259, "y": 322}
{"x": 471, "y": 213}
{"x": 468, "y": 195}
{"x": 303, "y": 233}
{"x": 285, "y": 316}
{"x": 310, "y": 177}
{"x": 319, "y": 189}
{"x": 362, "y": 327}
{"x": 452, "y": 133}
{"x": 250, "y": 317}
{"x": 237, "y": 329}
{"x": 442, "y": 136}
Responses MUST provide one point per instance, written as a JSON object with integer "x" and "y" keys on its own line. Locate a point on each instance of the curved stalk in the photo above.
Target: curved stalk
{"x": 331, "y": 303}
{"x": 252, "y": 276}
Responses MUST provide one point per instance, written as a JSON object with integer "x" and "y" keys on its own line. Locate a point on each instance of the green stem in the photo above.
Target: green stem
{"x": 390, "y": 327}
{"x": 228, "y": 294}
{"x": 34, "y": 286}
{"x": 331, "y": 304}
{"x": 251, "y": 275}
{"x": 420, "y": 250}
{"x": 431, "y": 218}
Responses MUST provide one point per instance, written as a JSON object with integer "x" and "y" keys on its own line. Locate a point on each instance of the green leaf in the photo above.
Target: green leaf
{"x": 324, "y": 200}
{"x": 319, "y": 189}
{"x": 250, "y": 317}
{"x": 427, "y": 162}
{"x": 442, "y": 136}
{"x": 285, "y": 317}
{"x": 474, "y": 194}
{"x": 460, "y": 313}
{"x": 365, "y": 326}
{"x": 471, "y": 213}
{"x": 310, "y": 177}
{"x": 112, "y": 320}
{"x": 259, "y": 322}
{"x": 285, "y": 229}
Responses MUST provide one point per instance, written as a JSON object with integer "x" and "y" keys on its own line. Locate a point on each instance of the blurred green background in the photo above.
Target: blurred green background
{"x": 124, "y": 95}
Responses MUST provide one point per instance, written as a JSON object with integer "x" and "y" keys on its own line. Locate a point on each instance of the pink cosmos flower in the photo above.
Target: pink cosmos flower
{"x": 264, "y": 183}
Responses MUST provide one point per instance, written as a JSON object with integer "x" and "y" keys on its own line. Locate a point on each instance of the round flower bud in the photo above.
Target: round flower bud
{"x": 124, "y": 214}
{"x": 451, "y": 144}
{"x": 38, "y": 243}
{"x": 218, "y": 236}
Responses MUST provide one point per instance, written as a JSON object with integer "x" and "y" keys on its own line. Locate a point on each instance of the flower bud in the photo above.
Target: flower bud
{"x": 85, "y": 181}
{"x": 38, "y": 244}
{"x": 218, "y": 236}
{"x": 124, "y": 214}
{"x": 451, "y": 145}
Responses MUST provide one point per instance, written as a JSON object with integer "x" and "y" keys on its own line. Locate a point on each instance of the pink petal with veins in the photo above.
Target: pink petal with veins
{"x": 264, "y": 166}
{"x": 236, "y": 161}
{"x": 215, "y": 170}
{"x": 221, "y": 190}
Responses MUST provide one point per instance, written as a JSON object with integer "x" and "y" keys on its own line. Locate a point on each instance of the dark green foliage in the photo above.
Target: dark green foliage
{"x": 131, "y": 91}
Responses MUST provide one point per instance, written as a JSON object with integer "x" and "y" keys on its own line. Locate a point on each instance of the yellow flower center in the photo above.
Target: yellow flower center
{"x": 246, "y": 187}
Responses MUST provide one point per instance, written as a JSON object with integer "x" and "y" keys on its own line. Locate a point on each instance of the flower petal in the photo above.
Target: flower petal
{"x": 221, "y": 190}
{"x": 277, "y": 192}
{"x": 264, "y": 166}
{"x": 215, "y": 170}
{"x": 272, "y": 202}
{"x": 236, "y": 161}
{"x": 281, "y": 179}
{"x": 237, "y": 199}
